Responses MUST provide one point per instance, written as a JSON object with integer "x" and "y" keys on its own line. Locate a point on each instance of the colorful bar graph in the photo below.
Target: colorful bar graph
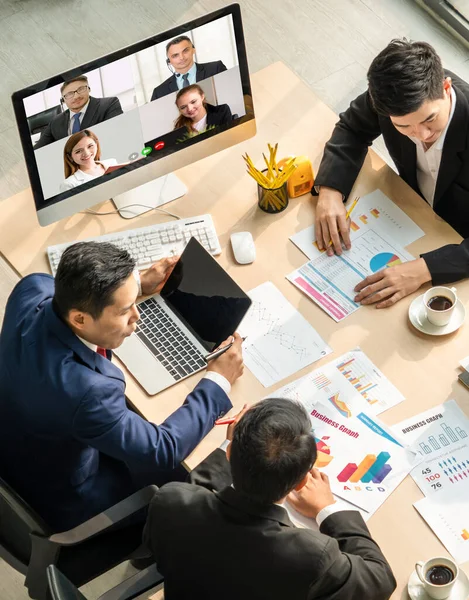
{"x": 346, "y": 473}
{"x": 363, "y": 467}
{"x": 363, "y": 219}
{"x": 382, "y": 474}
{"x": 354, "y": 226}
{"x": 375, "y": 212}
{"x": 321, "y": 381}
{"x": 345, "y": 364}
{"x": 465, "y": 534}
{"x": 376, "y": 468}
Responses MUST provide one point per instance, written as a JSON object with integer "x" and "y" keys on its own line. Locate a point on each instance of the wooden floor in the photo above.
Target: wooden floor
{"x": 328, "y": 43}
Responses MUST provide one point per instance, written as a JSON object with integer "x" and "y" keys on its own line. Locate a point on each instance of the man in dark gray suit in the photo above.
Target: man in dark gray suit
{"x": 241, "y": 541}
{"x": 180, "y": 60}
{"x": 83, "y": 111}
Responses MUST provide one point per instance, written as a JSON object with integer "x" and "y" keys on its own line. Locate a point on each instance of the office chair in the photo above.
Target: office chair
{"x": 38, "y": 122}
{"x": 82, "y": 554}
{"x": 62, "y": 589}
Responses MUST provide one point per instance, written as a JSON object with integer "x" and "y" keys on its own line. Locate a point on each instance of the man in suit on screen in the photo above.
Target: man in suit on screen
{"x": 83, "y": 111}
{"x": 422, "y": 112}
{"x": 185, "y": 71}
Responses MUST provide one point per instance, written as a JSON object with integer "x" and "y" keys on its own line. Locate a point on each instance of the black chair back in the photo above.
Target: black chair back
{"x": 38, "y": 122}
{"x": 60, "y": 587}
{"x": 17, "y": 522}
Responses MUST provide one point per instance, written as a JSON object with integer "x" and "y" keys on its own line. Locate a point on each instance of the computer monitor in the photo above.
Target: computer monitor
{"x": 129, "y": 118}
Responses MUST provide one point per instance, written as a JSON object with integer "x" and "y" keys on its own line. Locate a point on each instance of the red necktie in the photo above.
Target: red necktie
{"x": 101, "y": 351}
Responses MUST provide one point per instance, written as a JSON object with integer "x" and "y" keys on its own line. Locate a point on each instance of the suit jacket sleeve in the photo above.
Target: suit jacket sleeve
{"x": 448, "y": 263}
{"x": 345, "y": 152}
{"x": 213, "y": 473}
{"x": 113, "y": 110}
{"x": 353, "y": 564}
{"x": 104, "y": 422}
{"x": 46, "y": 138}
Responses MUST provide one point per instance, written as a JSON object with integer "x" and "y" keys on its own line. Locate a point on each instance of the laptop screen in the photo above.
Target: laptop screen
{"x": 204, "y": 296}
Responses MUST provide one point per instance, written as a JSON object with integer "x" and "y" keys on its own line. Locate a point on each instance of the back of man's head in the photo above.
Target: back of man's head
{"x": 403, "y": 76}
{"x": 88, "y": 275}
{"x": 272, "y": 450}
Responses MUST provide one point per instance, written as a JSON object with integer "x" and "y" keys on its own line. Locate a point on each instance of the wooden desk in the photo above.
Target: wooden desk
{"x": 423, "y": 368}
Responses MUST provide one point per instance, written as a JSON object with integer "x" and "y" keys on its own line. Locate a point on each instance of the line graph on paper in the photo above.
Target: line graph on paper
{"x": 279, "y": 341}
{"x": 277, "y": 331}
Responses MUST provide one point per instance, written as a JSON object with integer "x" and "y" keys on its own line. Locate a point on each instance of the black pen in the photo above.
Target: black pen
{"x": 220, "y": 351}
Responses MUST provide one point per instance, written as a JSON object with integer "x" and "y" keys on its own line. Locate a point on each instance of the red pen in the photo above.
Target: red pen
{"x": 225, "y": 421}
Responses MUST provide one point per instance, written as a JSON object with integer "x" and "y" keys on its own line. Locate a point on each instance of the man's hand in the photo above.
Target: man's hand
{"x": 331, "y": 223}
{"x": 230, "y": 363}
{"x": 314, "y": 496}
{"x": 231, "y": 427}
{"x": 393, "y": 283}
{"x": 155, "y": 277}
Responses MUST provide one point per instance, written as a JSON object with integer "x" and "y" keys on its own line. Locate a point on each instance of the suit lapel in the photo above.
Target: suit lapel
{"x": 240, "y": 502}
{"x": 409, "y": 161}
{"x": 86, "y": 355}
{"x": 91, "y": 111}
{"x": 199, "y": 72}
{"x": 63, "y": 123}
{"x": 173, "y": 86}
{"x": 454, "y": 143}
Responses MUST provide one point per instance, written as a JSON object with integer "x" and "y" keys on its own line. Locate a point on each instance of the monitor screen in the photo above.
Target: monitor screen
{"x": 106, "y": 120}
{"x": 206, "y": 299}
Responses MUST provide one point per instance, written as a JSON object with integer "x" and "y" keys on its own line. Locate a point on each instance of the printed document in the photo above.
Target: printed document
{"x": 279, "y": 341}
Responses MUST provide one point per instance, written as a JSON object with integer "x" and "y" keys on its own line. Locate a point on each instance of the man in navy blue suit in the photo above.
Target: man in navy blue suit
{"x": 68, "y": 443}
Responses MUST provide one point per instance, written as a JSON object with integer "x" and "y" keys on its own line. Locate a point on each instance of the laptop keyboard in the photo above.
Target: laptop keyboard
{"x": 167, "y": 342}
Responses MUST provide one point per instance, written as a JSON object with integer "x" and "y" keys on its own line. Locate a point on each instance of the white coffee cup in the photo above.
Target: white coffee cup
{"x": 439, "y": 592}
{"x": 440, "y": 317}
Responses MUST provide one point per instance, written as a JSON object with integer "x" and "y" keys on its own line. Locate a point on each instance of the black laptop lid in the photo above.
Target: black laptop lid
{"x": 204, "y": 296}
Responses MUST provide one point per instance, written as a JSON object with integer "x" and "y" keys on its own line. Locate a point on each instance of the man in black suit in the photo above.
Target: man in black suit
{"x": 422, "y": 111}
{"x": 241, "y": 541}
{"x": 83, "y": 111}
{"x": 180, "y": 60}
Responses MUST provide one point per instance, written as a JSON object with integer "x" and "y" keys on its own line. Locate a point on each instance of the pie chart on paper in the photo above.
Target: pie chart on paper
{"x": 382, "y": 260}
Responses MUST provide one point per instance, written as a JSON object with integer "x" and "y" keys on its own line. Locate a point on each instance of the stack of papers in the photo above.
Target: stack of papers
{"x": 441, "y": 437}
{"x": 379, "y": 230}
{"x": 364, "y": 459}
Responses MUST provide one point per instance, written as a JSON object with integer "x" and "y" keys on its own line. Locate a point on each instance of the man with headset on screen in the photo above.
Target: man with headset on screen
{"x": 83, "y": 111}
{"x": 180, "y": 60}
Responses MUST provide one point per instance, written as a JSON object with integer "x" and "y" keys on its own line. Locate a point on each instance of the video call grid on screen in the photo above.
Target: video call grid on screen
{"x": 121, "y": 88}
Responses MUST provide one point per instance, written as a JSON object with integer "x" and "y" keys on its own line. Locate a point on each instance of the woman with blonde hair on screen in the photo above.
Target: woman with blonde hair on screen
{"x": 196, "y": 114}
{"x": 82, "y": 160}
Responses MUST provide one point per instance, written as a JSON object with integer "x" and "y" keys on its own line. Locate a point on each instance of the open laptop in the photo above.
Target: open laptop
{"x": 198, "y": 307}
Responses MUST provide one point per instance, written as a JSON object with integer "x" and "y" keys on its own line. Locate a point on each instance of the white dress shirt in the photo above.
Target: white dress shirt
{"x": 80, "y": 177}
{"x": 201, "y": 125}
{"x": 192, "y": 72}
{"x": 428, "y": 161}
{"x": 82, "y": 112}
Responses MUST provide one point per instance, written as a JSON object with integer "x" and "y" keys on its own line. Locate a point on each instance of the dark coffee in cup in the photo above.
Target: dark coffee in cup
{"x": 439, "y": 575}
{"x": 439, "y": 303}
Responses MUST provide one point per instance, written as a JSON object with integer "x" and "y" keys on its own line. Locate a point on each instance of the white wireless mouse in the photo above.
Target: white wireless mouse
{"x": 243, "y": 247}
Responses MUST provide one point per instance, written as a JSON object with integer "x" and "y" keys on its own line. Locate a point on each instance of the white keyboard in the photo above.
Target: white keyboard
{"x": 148, "y": 244}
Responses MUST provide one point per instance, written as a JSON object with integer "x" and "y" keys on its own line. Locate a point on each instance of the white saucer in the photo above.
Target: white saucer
{"x": 418, "y": 318}
{"x": 460, "y": 590}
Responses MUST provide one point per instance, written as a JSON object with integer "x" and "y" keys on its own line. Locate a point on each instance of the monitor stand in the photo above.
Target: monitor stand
{"x": 149, "y": 196}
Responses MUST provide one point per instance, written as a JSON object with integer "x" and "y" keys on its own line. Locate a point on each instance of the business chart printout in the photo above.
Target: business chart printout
{"x": 280, "y": 341}
{"x": 374, "y": 211}
{"x": 329, "y": 281}
{"x": 440, "y": 435}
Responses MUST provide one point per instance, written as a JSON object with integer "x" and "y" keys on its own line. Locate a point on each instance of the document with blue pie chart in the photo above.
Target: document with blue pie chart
{"x": 330, "y": 280}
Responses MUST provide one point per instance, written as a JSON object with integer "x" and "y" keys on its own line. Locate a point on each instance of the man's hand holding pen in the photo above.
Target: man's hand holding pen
{"x": 230, "y": 362}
